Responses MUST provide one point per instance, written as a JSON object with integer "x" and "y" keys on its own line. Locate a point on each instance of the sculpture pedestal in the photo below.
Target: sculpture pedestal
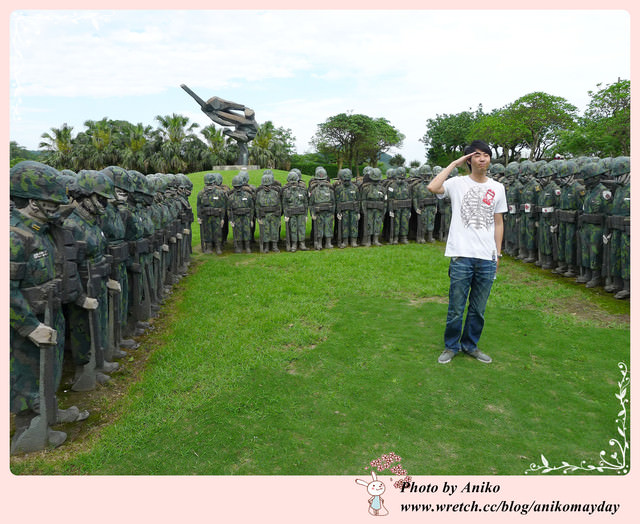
{"x": 233, "y": 168}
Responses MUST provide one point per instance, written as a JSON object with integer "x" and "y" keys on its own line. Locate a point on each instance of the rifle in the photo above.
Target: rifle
{"x": 392, "y": 222}
{"x": 114, "y": 320}
{"x": 365, "y": 225}
{"x": 287, "y": 232}
{"x": 87, "y": 379}
{"x": 420, "y": 224}
{"x": 606, "y": 252}
{"x": 202, "y": 231}
{"x": 261, "y": 232}
{"x": 36, "y": 436}
{"x": 339, "y": 224}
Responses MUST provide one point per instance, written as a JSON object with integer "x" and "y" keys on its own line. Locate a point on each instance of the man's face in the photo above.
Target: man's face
{"x": 480, "y": 161}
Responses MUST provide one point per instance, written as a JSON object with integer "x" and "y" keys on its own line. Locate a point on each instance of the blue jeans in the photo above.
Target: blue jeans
{"x": 471, "y": 278}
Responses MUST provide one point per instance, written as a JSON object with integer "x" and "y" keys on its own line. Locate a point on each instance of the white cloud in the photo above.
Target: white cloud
{"x": 404, "y": 65}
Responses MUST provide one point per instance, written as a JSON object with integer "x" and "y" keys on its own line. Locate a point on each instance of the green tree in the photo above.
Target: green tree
{"x": 354, "y": 138}
{"x": 541, "y": 118}
{"x": 501, "y": 132}
{"x": 58, "y": 145}
{"x": 605, "y": 128}
{"x": 397, "y": 160}
{"x": 446, "y": 135}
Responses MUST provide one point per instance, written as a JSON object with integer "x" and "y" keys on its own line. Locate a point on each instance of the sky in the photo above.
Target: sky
{"x": 298, "y": 68}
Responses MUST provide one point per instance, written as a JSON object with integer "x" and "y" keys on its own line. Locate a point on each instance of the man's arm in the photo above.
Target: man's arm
{"x": 498, "y": 232}
{"x": 435, "y": 186}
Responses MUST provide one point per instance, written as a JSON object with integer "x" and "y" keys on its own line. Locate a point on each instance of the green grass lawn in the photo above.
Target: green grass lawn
{"x": 316, "y": 363}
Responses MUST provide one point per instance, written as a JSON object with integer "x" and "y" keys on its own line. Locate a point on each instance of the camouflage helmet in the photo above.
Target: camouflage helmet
{"x": 497, "y": 169}
{"x": 237, "y": 181}
{"x": 401, "y": 172}
{"x": 454, "y": 172}
{"x": 121, "y": 178}
{"x": 217, "y": 179}
{"x": 527, "y": 168}
{"x": 545, "y": 171}
{"x": 68, "y": 178}
{"x": 31, "y": 179}
{"x": 437, "y": 169}
{"x": 345, "y": 175}
{"x": 413, "y": 172}
{"x": 607, "y": 162}
{"x": 321, "y": 173}
{"x": 292, "y": 176}
{"x": 567, "y": 168}
{"x": 538, "y": 165}
{"x": 367, "y": 171}
{"x": 391, "y": 173}
{"x": 376, "y": 174}
{"x": 297, "y": 171}
{"x": 244, "y": 175}
{"x": 267, "y": 178}
{"x": 184, "y": 180}
{"x": 208, "y": 179}
{"x": 621, "y": 165}
{"x": 512, "y": 169}
{"x": 593, "y": 169}
{"x": 425, "y": 170}
{"x": 90, "y": 182}
{"x": 140, "y": 182}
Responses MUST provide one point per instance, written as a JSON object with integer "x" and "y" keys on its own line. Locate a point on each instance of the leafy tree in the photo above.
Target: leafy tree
{"x": 58, "y": 145}
{"x": 354, "y": 138}
{"x": 501, "y": 132}
{"x": 17, "y": 153}
{"x": 446, "y": 135}
{"x": 605, "y": 128}
{"x": 397, "y": 160}
{"x": 541, "y": 118}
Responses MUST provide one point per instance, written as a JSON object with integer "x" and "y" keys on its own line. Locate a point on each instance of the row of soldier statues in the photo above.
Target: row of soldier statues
{"x": 349, "y": 211}
{"x": 572, "y": 217}
{"x": 92, "y": 257}
{"x": 94, "y": 254}
{"x": 568, "y": 216}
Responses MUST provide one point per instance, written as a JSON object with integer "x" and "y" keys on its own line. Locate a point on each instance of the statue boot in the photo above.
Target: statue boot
{"x": 613, "y": 284}
{"x": 404, "y": 239}
{"x": 585, "y": 277}
{"x": 354, "y": 242}
{"x": 376, "y": 240}
{"x": 571, "y": 271}
{"x": 530, "y": 258}
{"x": 560, "y": 269}
{"x": 302, "y": 246}
{"x": 625, "y": 292}
{"x": 595, "y": 280}
{"x": 430, "y": 238}
{"x": 247, "y": 246}
{"x": 547, "y": 262}
{"x": 274, "y": 247}
{"x": 218, "y": 248}
{"x": 327, "y": 243}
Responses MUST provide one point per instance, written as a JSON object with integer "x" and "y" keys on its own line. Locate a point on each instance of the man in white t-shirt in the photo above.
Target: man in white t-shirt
{"x": 473, "y": 244}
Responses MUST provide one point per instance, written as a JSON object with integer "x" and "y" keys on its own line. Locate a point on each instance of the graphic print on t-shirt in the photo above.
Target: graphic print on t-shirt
{"x": 477, "y": 208}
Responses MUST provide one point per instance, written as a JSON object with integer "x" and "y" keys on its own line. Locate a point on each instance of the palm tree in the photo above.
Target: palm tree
{"x": 59, "y": 145}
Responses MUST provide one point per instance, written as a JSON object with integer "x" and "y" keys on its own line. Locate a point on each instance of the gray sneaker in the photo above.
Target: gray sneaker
{"x": 446, "y": 356}
{"x": 479, "y": 355}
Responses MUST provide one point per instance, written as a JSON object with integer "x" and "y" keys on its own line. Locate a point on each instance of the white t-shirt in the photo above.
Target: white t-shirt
{"x": 471, "y": 233}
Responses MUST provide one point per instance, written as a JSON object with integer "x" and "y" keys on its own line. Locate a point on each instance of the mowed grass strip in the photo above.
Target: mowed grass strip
{"x": 315, "y": 363}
